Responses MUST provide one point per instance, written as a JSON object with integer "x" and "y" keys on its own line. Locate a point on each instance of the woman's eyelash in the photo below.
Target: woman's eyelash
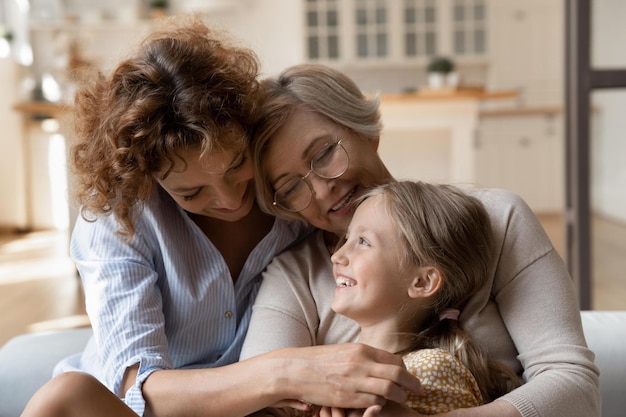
{"x": 235, "y": 167}
{"x": 241, "y": 163}
{"x": 192, "y": 196}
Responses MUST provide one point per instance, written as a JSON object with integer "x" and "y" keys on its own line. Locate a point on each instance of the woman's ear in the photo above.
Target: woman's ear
{"x": 375, "y": 142}
{"x": 427, "y": 281}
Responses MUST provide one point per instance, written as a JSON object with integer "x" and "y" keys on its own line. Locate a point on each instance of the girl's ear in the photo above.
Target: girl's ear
{"x": 427, "y": 281}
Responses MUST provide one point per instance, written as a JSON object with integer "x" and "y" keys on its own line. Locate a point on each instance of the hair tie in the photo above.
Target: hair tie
{"x": 449, "y": 313}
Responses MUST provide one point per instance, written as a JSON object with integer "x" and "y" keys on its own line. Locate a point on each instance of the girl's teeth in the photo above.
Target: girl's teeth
{"x": 345, "y": 282}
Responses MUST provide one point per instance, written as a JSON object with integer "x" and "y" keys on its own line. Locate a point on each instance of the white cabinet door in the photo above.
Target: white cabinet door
{"x": 526, "y": 49}
{"x": 12, "y": 163}
{"x": 523, "y": 154}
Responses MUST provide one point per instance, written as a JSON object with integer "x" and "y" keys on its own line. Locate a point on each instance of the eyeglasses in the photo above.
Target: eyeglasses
{"x": 332, "y": 161}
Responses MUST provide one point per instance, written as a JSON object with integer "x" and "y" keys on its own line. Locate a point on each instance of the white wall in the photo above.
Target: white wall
{"x": 272, "y": 28}
{"x": 12, "y": 179}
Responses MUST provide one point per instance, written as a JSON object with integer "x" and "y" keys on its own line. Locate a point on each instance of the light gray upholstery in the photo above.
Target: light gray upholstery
{"x": 26, "y": 361}
{"x": 605, "y": 332}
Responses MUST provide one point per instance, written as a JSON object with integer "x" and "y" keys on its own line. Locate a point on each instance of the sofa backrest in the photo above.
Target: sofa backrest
{"x": 605, "y": 332}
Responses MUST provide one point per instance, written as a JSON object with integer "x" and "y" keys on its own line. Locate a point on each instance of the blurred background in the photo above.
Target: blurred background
{"x": 523, "y": 95}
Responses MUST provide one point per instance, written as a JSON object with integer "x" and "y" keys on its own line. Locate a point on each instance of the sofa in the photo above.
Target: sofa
{"x": 26, "y": 361}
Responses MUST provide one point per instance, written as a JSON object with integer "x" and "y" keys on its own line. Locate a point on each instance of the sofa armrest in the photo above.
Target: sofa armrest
{"x": 605, "y": 332}
{"x": 27, "y": 362}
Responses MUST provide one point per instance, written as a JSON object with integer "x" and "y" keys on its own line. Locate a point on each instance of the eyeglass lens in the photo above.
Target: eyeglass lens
{"x": 330, "y": 162}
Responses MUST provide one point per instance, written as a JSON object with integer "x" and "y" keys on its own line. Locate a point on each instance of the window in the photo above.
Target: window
{"x": 395, "y": 30}
{"x": 469, "y": 21}
{"x": 371, "y": 28}
{"x": 322, "y": 20}
{"x": 420, "y": 28}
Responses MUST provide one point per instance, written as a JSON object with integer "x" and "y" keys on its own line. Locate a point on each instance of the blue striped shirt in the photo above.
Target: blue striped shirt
{"x": 165, "y": 299}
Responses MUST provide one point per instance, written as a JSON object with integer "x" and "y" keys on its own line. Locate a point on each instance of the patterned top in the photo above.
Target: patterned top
{"x": 447, "y": 383}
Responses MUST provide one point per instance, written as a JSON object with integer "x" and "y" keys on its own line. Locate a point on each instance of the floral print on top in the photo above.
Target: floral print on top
{"x": 448, "y": 384}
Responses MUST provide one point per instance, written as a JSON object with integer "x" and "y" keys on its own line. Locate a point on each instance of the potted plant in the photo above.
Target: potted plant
{"x": 6, "y": 37}
{"x": 441, "y": 73}
{"x": 158, "y": 8}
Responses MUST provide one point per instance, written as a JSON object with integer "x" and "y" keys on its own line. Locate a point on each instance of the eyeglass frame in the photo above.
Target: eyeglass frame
{"x": 338, "y": 142}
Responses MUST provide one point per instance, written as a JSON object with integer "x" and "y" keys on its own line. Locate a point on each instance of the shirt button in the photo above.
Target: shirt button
{"x": 228, "y": 314}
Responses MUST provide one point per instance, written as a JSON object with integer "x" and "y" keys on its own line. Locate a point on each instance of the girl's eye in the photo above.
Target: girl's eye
{"x": 363, "y": 241}
{"x": 192, "y": 196}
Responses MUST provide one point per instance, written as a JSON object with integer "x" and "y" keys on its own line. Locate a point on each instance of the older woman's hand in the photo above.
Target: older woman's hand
{"x": 346, "y": 376}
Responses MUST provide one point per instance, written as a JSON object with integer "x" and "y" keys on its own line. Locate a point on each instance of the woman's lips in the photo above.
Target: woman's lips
{"x": 345, "y": 202}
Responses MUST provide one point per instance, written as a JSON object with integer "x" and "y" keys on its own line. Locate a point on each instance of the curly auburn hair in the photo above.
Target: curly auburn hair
{"x": 187, "y": 87}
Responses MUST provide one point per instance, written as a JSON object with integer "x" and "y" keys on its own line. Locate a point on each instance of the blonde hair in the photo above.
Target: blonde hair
{"x": 446, "y": 228}
{"x": 187, "y": 87}
{"x": 317, "y": 88}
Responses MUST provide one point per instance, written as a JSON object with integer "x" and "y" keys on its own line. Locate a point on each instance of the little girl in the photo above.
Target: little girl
{"x": 413, "y": 255}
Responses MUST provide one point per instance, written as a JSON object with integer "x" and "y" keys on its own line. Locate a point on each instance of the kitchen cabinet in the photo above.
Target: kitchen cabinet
{"x": 526, "y": 51}
{"x": 452, "y": 139}
{"x": 523, "y": 151}
{"x": 45, "y": 188}
{"x": 431, "y": 136}
{"x": 12, "y": 180}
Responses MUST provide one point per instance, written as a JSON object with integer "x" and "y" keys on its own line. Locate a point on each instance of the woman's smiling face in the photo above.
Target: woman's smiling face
{"x": 289, "y": 155}
{"x": 220, "y": 186}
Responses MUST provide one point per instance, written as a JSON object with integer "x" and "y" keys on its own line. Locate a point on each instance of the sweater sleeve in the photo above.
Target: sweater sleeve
{"x": 284, "y": 313}
{"x": 293, "y": 307}
{"x": 536, "y": 301}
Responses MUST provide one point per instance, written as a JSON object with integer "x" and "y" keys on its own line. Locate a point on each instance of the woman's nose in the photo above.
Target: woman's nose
{"x": 227, "y": 196}
{"x": 322, "y": 187}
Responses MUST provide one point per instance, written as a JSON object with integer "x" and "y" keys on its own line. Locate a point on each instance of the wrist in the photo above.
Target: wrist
{"x": 278, "y": 367}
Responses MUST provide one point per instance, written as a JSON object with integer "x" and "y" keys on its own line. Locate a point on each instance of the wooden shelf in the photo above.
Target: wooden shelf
{"x": 42, "y": 108}
{"x": 522, "y": 111}
{"x": 452, "y": 94}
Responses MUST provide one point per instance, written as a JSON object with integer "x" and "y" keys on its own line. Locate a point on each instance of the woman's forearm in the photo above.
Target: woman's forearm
{"x": 230, "y": 391}
{"x": 348, "y": 375}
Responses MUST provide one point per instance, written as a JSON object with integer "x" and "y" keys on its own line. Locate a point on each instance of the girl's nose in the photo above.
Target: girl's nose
{"x": 339, "y": 256}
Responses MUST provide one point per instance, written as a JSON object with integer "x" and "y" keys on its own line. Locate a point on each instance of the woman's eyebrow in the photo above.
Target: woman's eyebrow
{"x": 309, "y": 149}
{"x": 184, "y": 189}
